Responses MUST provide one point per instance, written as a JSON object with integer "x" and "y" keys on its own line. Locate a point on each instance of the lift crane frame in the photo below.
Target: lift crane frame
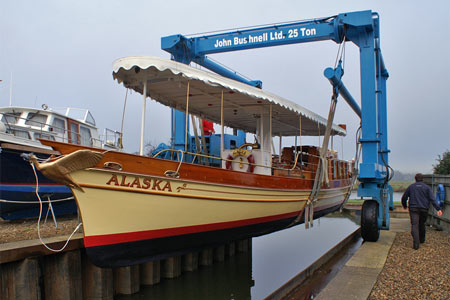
{"x": 361, "y": 28}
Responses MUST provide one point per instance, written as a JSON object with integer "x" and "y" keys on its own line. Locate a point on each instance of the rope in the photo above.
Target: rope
{"x": 40, "y": 215}
{"x": 123, "y": 119}
{"x": 355, "y": 168}
{"x": 340, "y": 56}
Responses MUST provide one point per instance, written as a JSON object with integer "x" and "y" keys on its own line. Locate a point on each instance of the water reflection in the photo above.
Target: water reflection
{"x": 227, "y": 280}
{"x": 274, "y": 259}
{"x": 279, "y": 256}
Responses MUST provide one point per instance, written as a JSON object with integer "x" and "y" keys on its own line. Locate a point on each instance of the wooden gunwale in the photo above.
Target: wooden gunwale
{"x": 149, "y": 166}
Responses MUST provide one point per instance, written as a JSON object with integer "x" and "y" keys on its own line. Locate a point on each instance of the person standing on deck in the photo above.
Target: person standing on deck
{"x": 420, "y": 196}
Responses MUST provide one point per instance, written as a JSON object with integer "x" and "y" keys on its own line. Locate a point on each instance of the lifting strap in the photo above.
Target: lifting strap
{"x": 322, "y": 166}
{"x": 197, "y": 141}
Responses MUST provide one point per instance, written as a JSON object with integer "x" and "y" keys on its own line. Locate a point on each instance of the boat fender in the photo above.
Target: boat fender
{"x": 440, "y": 195}
{"x": 250, "y": 158}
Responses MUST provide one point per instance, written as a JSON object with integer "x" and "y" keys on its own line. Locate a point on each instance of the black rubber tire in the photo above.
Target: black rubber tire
{"x": 369, "y": 225}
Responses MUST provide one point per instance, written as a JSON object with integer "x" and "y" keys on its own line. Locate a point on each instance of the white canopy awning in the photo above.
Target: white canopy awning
{"x": 243, "y": 104}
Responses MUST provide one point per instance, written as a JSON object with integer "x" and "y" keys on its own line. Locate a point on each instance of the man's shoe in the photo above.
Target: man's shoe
{"x": 416, "y": 247}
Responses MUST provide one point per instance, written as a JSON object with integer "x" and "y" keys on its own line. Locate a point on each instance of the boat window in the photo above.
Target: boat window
{"x": 10, "y": 118}
{"x": 36, "y": 119}
{"x": 38, "y": 135}
{"x": 58, "y": 126}
{"x": 73, "y": 137}
{"x": 90, "y": 119}
{"x": 86, "y": 138}
{"x": 22, "y": 134}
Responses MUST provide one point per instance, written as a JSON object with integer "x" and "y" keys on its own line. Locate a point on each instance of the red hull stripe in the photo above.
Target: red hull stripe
{"x": 110, "y": 239}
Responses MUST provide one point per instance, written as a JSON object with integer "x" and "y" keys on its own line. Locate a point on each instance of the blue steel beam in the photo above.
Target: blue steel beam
{"x": 284, "y": 34}
{"x": 275, "y": 35}
{"x": 361, "y": 28}
{"x": 211, "y": 65}
{"x": 335, "y": 78}
{"x": 185, "y": 49}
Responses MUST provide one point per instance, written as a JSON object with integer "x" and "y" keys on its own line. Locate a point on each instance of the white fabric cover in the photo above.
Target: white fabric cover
{"x": 167, "y": 83}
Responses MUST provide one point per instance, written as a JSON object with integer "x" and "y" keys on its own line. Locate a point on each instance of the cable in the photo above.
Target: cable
{"x": 40, "y": 214}
{"x": 340, "y": 56}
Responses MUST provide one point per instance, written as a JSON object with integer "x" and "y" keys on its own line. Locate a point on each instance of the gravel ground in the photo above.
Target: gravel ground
{"x": 416, "y": 274}
{"x": 13, "y": 231}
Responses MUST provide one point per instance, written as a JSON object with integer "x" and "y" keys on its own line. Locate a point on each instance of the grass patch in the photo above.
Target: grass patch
{"x": 398, "y": 186}
{"x": 359, "y": 201}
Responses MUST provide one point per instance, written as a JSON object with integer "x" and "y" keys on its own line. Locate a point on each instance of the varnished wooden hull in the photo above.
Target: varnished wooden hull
{"x": 138, "y": 214}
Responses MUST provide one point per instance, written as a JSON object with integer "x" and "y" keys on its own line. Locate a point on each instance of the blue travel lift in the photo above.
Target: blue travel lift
{"x": 361, "y": 28}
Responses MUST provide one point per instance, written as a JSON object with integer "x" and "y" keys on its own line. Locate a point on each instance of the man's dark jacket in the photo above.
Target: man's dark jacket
{"x": 420, "y": 196}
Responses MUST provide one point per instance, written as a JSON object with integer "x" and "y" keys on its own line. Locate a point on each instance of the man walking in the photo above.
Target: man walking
{"x": 420, "y": 196}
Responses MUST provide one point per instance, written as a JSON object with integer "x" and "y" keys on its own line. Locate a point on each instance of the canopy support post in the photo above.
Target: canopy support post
{"x": 187, "y": 119}
{"x": 144, "y": 100}
{"x": 221, "y": 126}
{"x": 280, "y": 147}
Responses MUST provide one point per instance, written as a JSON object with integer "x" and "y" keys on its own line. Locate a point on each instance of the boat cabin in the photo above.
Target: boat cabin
{"x": 72, "y": 125}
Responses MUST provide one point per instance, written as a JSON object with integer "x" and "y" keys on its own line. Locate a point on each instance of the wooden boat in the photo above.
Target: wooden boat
{"x": 20, "y": 131}
{"x": 136, "y": 208}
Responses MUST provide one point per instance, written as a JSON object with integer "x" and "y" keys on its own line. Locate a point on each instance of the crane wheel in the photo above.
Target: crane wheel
{"x": 369, "y": 225}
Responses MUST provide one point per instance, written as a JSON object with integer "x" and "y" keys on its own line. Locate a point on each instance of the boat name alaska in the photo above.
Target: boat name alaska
{"x": 146, "y": 183}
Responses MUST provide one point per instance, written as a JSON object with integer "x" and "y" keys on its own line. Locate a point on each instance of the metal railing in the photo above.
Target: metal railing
{"x": 339, "y": 168}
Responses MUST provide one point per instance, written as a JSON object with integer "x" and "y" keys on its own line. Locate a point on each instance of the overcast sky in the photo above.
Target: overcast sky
{"x": 60, "y": 53}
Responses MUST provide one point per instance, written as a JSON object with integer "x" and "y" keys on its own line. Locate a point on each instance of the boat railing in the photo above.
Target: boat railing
{"x": 338, "y": 169}
{"x": 308, "y": 162}
{"x": 110, "y": 138}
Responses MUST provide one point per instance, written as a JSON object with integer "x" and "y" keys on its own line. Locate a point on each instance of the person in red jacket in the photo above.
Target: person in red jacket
{"x": 420, "y": 196}
{"x": 208, "y": 127}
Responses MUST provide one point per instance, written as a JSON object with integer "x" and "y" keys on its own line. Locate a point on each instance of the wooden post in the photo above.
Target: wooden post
{"x": 20, "y": 280}
{"x": 219, "y": 253}
{"x": 206, "y": 257}
{"x": 230, "y": 249}
{"x": 151, "y": 272}
{"x": 171, "y": 267}
{"x": 97, "y": 282}
{"x": 126, "y": 280}
{"x": 242, "y": 245}
{"x": 62, "y": 276}
{"x": 190, "y": 262}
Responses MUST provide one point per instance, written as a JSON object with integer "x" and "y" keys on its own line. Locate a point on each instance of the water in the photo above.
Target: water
{"x": 275, "y": 258}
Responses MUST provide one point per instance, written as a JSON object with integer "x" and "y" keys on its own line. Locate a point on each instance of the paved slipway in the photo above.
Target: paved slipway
{"x": 391, "y": 269}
